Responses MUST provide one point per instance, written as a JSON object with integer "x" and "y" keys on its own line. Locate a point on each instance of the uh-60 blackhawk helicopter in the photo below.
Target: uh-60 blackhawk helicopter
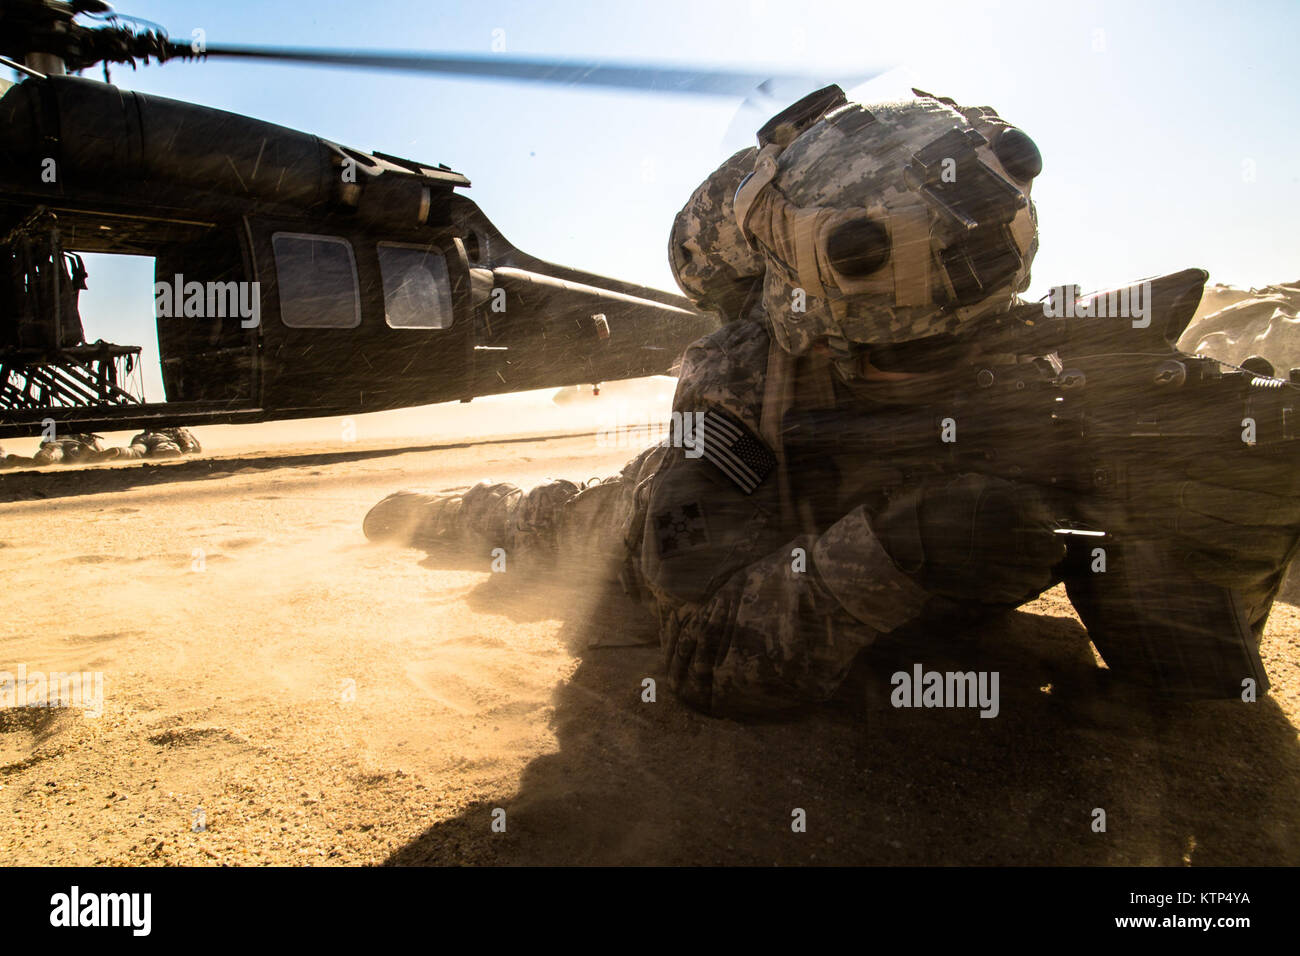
{"x": 295, "y": 277}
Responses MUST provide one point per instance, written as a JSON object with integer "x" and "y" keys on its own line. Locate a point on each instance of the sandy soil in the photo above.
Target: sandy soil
{"x": 327, "y": 701}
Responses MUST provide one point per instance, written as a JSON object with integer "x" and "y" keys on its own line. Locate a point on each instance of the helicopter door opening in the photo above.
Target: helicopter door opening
{"x": 47, "y": 362}
{"x": 83, "y": 324}
{"x": 116, "y": 305}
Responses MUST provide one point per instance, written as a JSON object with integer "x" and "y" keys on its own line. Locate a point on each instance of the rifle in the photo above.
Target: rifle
{"x": 1096, "y": 406}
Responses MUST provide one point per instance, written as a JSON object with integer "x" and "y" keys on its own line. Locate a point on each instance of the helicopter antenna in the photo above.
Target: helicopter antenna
{"x": 21, "y": 68}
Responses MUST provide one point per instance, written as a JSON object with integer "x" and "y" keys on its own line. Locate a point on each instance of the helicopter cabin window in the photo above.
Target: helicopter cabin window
{"x": 318, "y": 281}
{"x": 417, "y": 289}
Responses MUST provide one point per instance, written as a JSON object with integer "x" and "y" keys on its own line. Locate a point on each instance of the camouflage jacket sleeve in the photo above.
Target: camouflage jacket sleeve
{"x": 755, "y": 617}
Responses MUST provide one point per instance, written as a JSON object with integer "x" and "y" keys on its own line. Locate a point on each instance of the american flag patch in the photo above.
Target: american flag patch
{"x": 736, "y": 451}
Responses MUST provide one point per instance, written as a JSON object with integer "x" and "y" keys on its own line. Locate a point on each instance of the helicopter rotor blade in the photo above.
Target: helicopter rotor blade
{"x": 652, "y": 77}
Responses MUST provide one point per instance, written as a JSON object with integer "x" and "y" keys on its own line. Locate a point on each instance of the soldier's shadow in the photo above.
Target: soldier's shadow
{"x": 642, "y": 781}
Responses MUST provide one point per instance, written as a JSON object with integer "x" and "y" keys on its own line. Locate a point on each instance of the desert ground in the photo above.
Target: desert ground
{"x": 278, "y": 690}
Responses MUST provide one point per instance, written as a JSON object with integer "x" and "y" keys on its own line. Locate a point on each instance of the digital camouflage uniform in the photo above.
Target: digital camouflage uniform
{"x": 68, "y": 450}
{"x": 757, "y": 612}
{"x": 160, "y": 443}
{"x": 769, "y": 575}
{"x": 88, "y": 449}
{"x": 766, "y": 583}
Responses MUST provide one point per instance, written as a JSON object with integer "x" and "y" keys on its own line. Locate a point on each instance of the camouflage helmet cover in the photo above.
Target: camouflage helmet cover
{"x": 714, "y": 265}
{"x": 949, "y": 185}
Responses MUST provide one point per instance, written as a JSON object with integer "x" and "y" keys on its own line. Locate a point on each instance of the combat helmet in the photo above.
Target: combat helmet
{"x": 714, "y": 265}
{"x": 890, "y": 223}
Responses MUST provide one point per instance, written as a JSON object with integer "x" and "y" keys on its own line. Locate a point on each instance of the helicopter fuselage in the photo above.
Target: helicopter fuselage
{"x": 294, "y": 277}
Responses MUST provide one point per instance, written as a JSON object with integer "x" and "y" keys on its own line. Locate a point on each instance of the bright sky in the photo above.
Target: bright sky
{"x": 1168, "y": 130}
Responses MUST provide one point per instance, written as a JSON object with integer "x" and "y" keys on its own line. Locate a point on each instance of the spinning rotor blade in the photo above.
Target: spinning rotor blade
{"x": 655, "y": 78}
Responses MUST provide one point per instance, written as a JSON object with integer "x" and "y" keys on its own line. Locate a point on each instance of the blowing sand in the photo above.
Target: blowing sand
{"x": 276, "y": 690}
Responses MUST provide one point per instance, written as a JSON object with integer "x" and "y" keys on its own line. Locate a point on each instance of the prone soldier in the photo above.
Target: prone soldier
{"x": 69, "y": 450}
{"x": 848, "y": 254}
{"x": 87, "y": 448}
{"x": 160, "y": 443}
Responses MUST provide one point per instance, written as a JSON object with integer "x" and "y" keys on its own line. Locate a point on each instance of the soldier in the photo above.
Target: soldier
{"x": 857, "y": 244}
{"x": 89, "y": 449}
{"x": 69, "y": 450}
{"x": 160, "y": 443}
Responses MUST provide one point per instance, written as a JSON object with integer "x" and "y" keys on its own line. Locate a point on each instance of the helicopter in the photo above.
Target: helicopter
{"x": 295, "y": 277}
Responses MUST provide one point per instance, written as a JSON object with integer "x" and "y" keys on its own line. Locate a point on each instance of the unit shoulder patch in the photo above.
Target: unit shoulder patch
{"x": 681, "y": 529}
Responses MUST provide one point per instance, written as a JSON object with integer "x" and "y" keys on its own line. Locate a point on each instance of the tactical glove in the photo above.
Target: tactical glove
{"x": 972, "y": 538}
